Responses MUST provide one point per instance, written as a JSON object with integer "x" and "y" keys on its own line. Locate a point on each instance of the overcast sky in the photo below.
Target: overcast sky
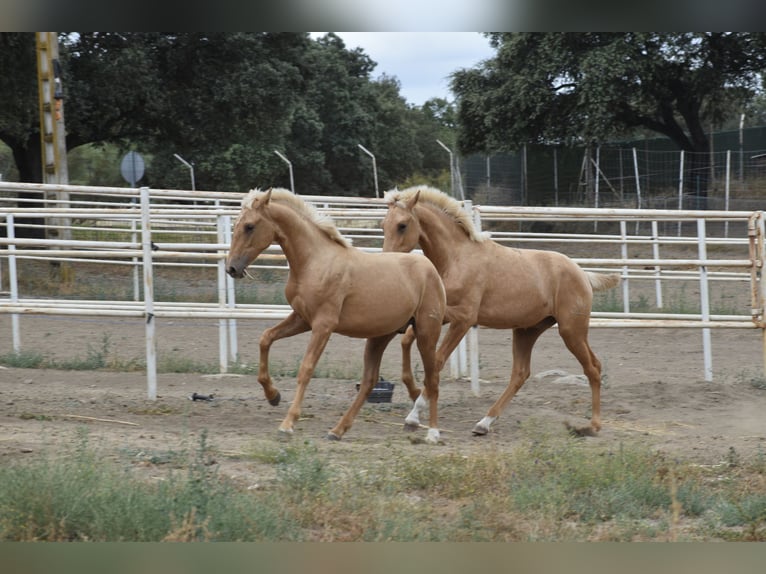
{"x": 421, "y": 61}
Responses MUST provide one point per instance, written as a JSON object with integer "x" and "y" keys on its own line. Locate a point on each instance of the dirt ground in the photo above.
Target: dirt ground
{"x": 654, "y": 394}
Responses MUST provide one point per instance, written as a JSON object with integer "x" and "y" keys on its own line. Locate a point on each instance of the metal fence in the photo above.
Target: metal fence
{"x": 147, "y": 229}
{"x": 641, "y": 174}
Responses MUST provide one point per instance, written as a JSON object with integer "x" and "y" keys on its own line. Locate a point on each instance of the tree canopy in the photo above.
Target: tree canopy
{"x": 559, "y": 87}
{"x": 226, "y": 102}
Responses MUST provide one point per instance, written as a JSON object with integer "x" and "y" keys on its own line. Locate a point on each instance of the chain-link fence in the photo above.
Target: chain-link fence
{"x": 646, "y": 174}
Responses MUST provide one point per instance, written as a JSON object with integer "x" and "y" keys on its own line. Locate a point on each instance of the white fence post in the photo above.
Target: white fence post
{"x": 151, "y": 344}
{"x": 14, "y": 282}
{"x": 624, "y": 253}
{"x": 231, "y": 295}
{"x": 704, "y": 301}
{"x": 680, "y": 188}
{"x": 638, "y": 186}
{"x": 727, "y": 190}
{"x": 657, "y": 271}
{"x": 761, "y": 248}
{"x": 136, "y": 285}
{"x": 223, "y": 338}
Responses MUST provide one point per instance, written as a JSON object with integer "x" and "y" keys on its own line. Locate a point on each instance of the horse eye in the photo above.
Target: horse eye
{"x": 249, "y": 227}
{"x": 401, "y": 227}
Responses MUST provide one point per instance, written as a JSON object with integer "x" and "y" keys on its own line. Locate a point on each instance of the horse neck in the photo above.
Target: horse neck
{"x": 440, "y": 236}
{"x": 299, "y": 238}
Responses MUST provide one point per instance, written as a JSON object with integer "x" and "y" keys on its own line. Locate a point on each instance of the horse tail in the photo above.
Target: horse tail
{"x": 603, "y": 281}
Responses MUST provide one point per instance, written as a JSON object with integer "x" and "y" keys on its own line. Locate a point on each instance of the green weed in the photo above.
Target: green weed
{"x": 551, "y": 487}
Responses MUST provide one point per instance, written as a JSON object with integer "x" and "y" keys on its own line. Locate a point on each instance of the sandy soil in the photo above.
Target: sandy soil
{"x": 654, "y": 394}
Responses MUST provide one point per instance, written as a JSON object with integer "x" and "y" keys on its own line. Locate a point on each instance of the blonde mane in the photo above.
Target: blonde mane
{"x": 296, "y": 203}
{"x": 441, "y": 201}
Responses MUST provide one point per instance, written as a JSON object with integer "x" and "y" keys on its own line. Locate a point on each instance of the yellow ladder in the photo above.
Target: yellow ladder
{"x": 53, "y": 137}
{"x": 51, "y": 108}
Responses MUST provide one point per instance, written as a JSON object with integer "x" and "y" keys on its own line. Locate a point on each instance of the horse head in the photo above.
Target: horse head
{"x": 253, "y": 233}
{"x": 401, "y": 228}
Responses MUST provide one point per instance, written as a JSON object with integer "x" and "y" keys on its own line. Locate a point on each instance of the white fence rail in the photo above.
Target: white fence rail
{"x": 139, "y": 219}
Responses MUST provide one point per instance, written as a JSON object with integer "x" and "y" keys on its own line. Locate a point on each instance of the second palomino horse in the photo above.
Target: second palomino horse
{"x": 336, "y": 288}
{"x": 495, "y": 286}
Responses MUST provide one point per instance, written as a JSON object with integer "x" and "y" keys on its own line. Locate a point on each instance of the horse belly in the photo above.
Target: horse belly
{"x": 386, "y": 291}
{"x": 372, "y": 320}
{"x": 514, "y": 312}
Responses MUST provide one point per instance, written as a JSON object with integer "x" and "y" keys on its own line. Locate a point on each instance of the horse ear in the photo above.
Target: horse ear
{"x": 266, "y": 197}
{"x": 413, "y": 200}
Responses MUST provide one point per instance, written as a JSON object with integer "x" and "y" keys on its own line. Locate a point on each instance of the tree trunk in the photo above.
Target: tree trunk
{"x": 28, "y": 159}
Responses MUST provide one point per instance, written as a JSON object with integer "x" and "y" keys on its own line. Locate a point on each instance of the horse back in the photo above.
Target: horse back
{"x": 521, "y": 287}
{"x": 378, "y": 293}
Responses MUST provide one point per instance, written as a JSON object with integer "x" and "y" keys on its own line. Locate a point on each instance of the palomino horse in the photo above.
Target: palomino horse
{"x": 336, "y": 288}
{"x": 495, "y": 286}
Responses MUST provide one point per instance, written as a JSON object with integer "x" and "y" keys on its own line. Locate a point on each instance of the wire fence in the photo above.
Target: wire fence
{"x": 642, "y": 174}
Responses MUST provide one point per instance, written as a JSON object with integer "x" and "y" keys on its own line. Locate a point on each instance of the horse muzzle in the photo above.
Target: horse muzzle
{"x": 235, "y": 272}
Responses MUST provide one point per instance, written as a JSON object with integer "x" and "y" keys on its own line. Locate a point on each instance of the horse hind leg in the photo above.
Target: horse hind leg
{"x": 427, "y": 338}
{"x": 407, "y": 376}
{"x": 576, "y": 340}
{"x": 373, "y": 354}
{"x": 523, "y": 342}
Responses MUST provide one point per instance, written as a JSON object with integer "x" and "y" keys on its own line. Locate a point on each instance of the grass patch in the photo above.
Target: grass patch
{"x": 552, "y": 487}
{"x": 102, "y": 357}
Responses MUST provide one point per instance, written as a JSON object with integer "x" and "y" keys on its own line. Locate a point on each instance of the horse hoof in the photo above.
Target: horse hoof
{"x": 580, "y": 431}
{"x": 411, "y": 427}
{"x": 433, "y": 436}
{"x": 479, "y": 430}
{"x": 275, "y": 401}
{"x": 332, "y": 436}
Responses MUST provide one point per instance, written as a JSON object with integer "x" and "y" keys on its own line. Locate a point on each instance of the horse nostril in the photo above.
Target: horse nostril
{"x": 231, "y": 271}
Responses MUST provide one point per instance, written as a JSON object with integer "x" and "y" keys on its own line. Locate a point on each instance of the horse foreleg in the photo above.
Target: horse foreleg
{"x": 317, "y": 343}
{"x": 455, "y": 333}
{"x": 407, "y": 377}
{"x": 427, "y": 339}
{"x": 373, "y": 354}
{"x": 523, "y": 342}
{"x": 293, "y": 324}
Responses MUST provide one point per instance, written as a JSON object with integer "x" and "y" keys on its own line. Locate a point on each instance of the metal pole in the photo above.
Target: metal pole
{"x": 727, "y": 189}
{"x": 473, "y": 345}
{"x": 230, "y": 295}
{"x": 133, "y": 239}
{"x": 680, "y": 189}
{"x": 657, "y": 271}
{"x": 596, "y": 184}
{"x": 624, "y": 254}
{"x": 151, "y": 346}
{"x": 289, "y": 167}
{"x": 741, "y": 151}
{"x": 524, "y": 190}
{"x": 451, "y": 169}
{"x": 638, "y": 184}
{"x": 13, "y": 280}
{"x": 704, "y": 301}
{"x": 374, "y": 167}
{"x": 223, "y": 339}
{"x": 189, "y": 165}
{"x": 555, "y": 177}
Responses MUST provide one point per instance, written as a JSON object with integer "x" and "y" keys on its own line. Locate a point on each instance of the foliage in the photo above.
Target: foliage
{"x": 551, "y": 488}
{"x": 579, "y": 87}
{"x": 224, "y": 102}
